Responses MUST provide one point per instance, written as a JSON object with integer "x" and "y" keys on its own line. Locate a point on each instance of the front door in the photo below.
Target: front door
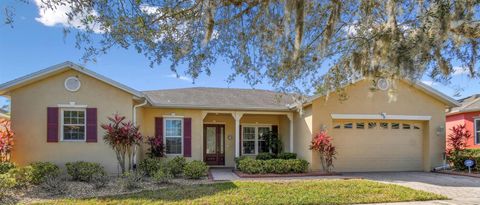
{"x": 214, "y": 144}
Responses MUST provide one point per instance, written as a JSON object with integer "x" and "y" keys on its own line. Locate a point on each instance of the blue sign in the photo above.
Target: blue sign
{"x": 468, "y": 163}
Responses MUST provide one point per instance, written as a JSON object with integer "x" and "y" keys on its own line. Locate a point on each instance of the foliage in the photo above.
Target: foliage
{"x": 272, "y": 141}
{"x": 100, "y": 180}
{"x": 131, "y": 180}
{"x": 265, "y": 156}
{"x": 322, "y": 143}
{"x": 6, "y": 183}
{"x": 287, "y": 155}
{"x": 84, "y": 171}
{"x": 151, "y": 165}
{"x": 157, "y": 148}
{"x": 55, "y": 185}
{"x": 176, "y": 165}
{"x": 457, "y": 139}
{"x": 6, "y": 140}
{"x": 458, "y": 157}
{"x": 284, "y": 42}
{"x": 162, "y": 176}
{"x": 238, "y": 159}
{"x": 122, "y": 137}
{"x": 41, "y": 170}
{"x": 23, "y": 175}
{"x": 294, "y": 192}
{"x": 195, "y": 169}
{"x": 6, "y": 166}
{"x": 276, "y": 166}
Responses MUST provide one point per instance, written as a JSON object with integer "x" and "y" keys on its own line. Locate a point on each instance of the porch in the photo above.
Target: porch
{"x": 230, "y": 134}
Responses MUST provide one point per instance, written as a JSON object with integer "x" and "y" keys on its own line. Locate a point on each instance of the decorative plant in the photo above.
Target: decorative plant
{"x": 6, "y": 140}
{"x": 122, "y": 137}
{"x": 457, "y": 139}
{"x": 273, "y": 143}
{"x": 157, "y": 148}
{"x": 322, "y": 143}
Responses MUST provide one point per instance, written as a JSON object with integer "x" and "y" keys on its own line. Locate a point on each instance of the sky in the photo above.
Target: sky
{"x": 36, "y": 41}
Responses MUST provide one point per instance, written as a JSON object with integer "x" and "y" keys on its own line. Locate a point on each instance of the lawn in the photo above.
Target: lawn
{"x": 286, "y": 192}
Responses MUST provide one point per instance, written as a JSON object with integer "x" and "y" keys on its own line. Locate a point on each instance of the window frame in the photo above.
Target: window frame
{"x": 476, "y": 141}
{"x": 62, "y": 124}
{"x": 256, "y": 141}
{"x": 182, "y": 135}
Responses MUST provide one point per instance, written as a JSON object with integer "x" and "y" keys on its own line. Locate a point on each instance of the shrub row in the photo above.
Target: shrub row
{"x": 162, "y": 170}
{"x": 276, "y": 166}
{"x": 458, "y": 158}
{"x": 283, "y": 155}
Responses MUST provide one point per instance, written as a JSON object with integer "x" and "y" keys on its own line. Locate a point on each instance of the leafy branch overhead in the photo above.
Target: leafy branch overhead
{"x": 296, "y": 45}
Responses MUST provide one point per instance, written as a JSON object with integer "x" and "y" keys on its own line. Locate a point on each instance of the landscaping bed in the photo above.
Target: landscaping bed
{"x": 460, "y": 173}
{"x": 306, "y": 174}
{"x": 353, "y": 191}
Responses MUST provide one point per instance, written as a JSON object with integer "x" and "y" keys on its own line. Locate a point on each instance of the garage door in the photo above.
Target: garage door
{"x": 365, "y": 145}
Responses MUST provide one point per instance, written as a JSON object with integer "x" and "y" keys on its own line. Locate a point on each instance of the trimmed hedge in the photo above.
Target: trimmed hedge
{"x": 150, "y": 166}
{"x": 84, "y": 171}
{"x": 275, "y": 166}
{"x": 287, "y": 155}
{"x": 40, "y": 171}
{"x": 6, "y": 166}
{"x": 195, "y": 169}
{"x": 458, "y": 158}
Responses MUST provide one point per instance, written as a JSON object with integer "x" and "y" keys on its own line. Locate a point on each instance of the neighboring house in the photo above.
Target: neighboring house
{"x": 4, "y": 114}
{"x": 468, "y": 113}
{"x": 56, "y": 113}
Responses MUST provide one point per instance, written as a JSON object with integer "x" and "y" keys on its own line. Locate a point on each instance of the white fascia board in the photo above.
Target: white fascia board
{"x": 379, "y": 117}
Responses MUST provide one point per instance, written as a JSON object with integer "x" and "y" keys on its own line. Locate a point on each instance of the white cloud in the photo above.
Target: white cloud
{"x": 458, "y": 70}
{"x": 428, "y": 82}
{"x": 181, "y": 77}
{"x": 58, "y": 16}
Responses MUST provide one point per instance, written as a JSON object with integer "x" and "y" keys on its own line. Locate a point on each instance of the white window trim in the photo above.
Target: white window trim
{"x": 63, "y": 124}
{"x": 165, "y": 134}
{"x": 475, "y": 129}
{"x": 256, "y": 126}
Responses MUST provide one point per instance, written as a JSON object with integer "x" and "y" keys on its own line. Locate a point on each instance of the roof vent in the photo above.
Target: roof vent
{"x": 383, "y": 84}
{"x": 72, "y": 84}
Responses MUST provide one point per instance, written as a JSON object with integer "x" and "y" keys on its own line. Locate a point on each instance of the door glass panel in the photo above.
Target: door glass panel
{"x": 211, "y": 140}
{"x": 221, "y": 140}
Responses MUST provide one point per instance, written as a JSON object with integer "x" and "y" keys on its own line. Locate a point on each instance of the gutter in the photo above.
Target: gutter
{"x": 135, "y": 123}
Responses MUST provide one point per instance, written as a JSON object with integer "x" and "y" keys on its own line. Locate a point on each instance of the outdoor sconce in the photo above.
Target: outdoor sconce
{"x": 229, "y": 137}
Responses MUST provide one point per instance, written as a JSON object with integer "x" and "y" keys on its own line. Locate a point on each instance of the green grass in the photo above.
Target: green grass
{"x": 289, "y": 192}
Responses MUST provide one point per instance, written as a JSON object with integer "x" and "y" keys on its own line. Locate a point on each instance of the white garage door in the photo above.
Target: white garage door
{"x": 364, "y": 145}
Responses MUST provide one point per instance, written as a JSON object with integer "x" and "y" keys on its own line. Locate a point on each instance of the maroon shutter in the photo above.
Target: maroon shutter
{"x": 187, "y": 137}
{"x": 240, "y": 144}
{"x": 275, "y": 129}
{"x": 159, "y": 127}
{"x": 52, "y": 124}
{"x": 91, "y": 124}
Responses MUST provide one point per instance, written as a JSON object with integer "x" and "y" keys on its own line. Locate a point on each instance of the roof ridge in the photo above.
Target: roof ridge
{"x": 203, "y": 87}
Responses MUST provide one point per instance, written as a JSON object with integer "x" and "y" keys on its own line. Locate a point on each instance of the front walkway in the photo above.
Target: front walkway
{"x": 223, "y": 174}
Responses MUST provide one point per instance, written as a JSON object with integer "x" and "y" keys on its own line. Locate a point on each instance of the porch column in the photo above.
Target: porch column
{"x": 237, "y": 116}
{"x": 290, "y": 117}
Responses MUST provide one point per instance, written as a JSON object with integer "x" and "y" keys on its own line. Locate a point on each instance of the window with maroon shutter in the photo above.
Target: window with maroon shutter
{"x": 91, "y": 125}
{"x": 159, "y": 127}
{"x": 52, "y": 124}
{"x": 74, "y": 124}
{"x": 187, "y": 137}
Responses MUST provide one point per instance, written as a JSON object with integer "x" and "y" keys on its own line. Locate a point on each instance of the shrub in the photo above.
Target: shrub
{"x": 6, "y": 183}
{"x": 195, "y": 169}
{"x": 322, "y": 143}
{"x": 176, "y": 165}
{"x": 287, "y": 155}
{"x": 40, "y": 170}
{"x": 265, "y": 156}
{"x": 297, "y": 165}
{"x": 150, "y": 166}
{"x": 251, "y": 166}
{"x": 162, "y": 176}
{"x": 238, "y": 159}
{"x": 84, "y": 171}
{"x": 457, "y": 158}
{"x": 157, "y": 148}
{"x": 99, "y": 180}
{"x": 457, "y": 139}
{"x": 6, "y": 140}
{"x": 55, "y": 185}
{"x": 5, "y": 167}
{"x": 131, "y": 180}
{"x": 277, "y": 166}
{"x": 23, "y": 175}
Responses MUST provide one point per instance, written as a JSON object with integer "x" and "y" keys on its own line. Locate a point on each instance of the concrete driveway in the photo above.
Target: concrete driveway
{"x": 462, "y": 190}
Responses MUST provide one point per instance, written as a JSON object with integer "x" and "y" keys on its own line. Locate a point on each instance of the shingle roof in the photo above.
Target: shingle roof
{"x": 468, "y": 104}
{"x": 220, "y": 98}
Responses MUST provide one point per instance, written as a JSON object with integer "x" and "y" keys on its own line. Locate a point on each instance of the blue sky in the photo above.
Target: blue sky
{"x": 36, "y": 42}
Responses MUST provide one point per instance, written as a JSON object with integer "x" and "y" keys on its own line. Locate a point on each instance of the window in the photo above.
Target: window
{"x": 372, "y": 125}
{"x": 337, "y": 126}
{"x": 73, "y": 125}
{"x": 406, "y": 126}
{"x": 360, "y": 125}
{"x": 395, "y": 126}
{"x": 348, "y": 125}
{"x": 173, "y": 135}
{"x": 477, "y": 131}
{"x": 384, "y": 125}
{"x": 253, "y": 141}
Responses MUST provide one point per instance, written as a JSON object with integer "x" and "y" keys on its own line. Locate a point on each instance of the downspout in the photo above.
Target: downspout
{"x": 135, "y": 123}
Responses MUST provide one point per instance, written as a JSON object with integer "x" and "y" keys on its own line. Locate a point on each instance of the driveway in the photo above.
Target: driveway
{"x": 461, "y": 189}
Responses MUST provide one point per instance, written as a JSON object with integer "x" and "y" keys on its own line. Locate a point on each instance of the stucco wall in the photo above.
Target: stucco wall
{"x": 29, "y": 115}
{"x": 303, "y": 130}
{"x": 409, "y": 101}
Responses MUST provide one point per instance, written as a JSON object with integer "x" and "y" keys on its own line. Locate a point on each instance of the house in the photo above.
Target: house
{"x": 56, "y": 113}
{"x": 4, "y": 114}
{"x": 468, "y": 113}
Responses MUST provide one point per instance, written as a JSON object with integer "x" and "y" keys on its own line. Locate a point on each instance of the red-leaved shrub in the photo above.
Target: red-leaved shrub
{"x": 6, "y": 140}
{"x": 322, "y": 143}
{"x": 457, "y": 139}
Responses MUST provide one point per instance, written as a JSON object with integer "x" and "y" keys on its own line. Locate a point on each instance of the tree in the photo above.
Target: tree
{"x": 6, "y": 140}
{"x": 287, "y": 42}
{"x": 122, "y": 137}
{"x": 457, "y": 139}
{"x": 272, "y": 142}
{"x": 322, "y": 143}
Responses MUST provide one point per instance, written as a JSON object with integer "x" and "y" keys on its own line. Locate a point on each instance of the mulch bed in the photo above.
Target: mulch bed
{"x": 307, "y": 174}
{"x": 459, "y": 173}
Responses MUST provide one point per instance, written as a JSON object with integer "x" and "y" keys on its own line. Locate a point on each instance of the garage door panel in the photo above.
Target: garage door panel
{"x": 398, "y": 147}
